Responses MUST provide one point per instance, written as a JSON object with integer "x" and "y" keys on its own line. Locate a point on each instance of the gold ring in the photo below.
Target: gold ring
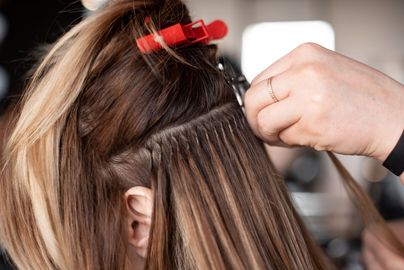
{"x": 271, "y": 90}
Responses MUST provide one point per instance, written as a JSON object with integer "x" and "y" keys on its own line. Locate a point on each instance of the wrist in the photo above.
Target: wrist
{"x": 395, "y": 161}
{"x": 392, "y": 128}
{"x": 388, "y": 145}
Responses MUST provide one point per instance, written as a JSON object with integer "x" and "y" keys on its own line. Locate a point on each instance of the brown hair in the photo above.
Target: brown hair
{"x": 98, "y": 118}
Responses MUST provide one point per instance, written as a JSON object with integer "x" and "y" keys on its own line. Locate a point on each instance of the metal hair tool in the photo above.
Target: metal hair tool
{"x": 180, "y": 35}
{"x": 235, "y": 78}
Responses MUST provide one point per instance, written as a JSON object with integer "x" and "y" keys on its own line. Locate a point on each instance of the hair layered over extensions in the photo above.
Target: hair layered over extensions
{"x": 98, "y": 118}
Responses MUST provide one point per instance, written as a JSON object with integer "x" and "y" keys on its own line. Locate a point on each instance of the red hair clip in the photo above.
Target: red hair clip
{"x": 183, "y": 35}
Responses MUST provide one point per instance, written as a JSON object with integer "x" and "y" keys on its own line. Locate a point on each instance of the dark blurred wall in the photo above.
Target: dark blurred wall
{"x": 27, "y": 24}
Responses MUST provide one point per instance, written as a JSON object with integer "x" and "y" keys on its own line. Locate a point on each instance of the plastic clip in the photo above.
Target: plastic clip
{"x": 182, "y": 35}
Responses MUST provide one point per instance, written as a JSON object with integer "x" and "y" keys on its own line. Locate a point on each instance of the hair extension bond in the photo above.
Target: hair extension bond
{"x": 98, "y": 117}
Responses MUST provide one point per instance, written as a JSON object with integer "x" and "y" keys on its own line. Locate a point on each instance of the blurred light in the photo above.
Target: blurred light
{"x": 3, "y": 27}
{"x": 305, "y": 169}
{"x": 264, "y": 43}
{"x": 314, "y": 204}
{"x": 93, "y": 4}
{"x": 4, "y": 82}
{"x": 4, "y": 78}
{"x": 373, "y": 171}
{"x": 337, "y": 248}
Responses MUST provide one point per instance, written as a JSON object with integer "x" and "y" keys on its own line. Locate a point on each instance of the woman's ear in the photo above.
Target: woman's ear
{"x": 139, "y": 203}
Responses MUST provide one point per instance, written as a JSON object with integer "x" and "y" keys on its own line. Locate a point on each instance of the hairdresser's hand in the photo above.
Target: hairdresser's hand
{"x": 376, "y": 256}
{"x": 328, "y": 102}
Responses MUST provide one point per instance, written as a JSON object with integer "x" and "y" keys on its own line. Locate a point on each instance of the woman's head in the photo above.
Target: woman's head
{"x": 119, "y": 160}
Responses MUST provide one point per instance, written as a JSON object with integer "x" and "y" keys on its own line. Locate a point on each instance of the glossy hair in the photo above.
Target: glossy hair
{"x": 98, "y": 118}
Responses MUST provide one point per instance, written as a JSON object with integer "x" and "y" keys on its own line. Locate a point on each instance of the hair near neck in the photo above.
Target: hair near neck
{"x": 222, "y": 197}
{"x": 98, "y": 118}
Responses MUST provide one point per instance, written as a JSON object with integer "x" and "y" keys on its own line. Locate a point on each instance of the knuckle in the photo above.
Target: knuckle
{"x": 313, "y": 70}
{"x": 318, "y": 112}
{"x": 319, "y": 99}
{"x": 308, "y": 49}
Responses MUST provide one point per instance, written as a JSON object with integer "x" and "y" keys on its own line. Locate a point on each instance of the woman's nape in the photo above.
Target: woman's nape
{"x": 119, "y": 160}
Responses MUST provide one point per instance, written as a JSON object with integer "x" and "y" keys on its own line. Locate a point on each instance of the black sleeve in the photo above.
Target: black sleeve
{"x": 395, "y": 161}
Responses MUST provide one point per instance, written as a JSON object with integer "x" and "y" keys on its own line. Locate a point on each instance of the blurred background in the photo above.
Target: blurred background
{"x": 261, "y": 31}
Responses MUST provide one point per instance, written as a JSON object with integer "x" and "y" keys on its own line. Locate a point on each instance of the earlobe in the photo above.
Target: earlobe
{"x": 139, "y": 202}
